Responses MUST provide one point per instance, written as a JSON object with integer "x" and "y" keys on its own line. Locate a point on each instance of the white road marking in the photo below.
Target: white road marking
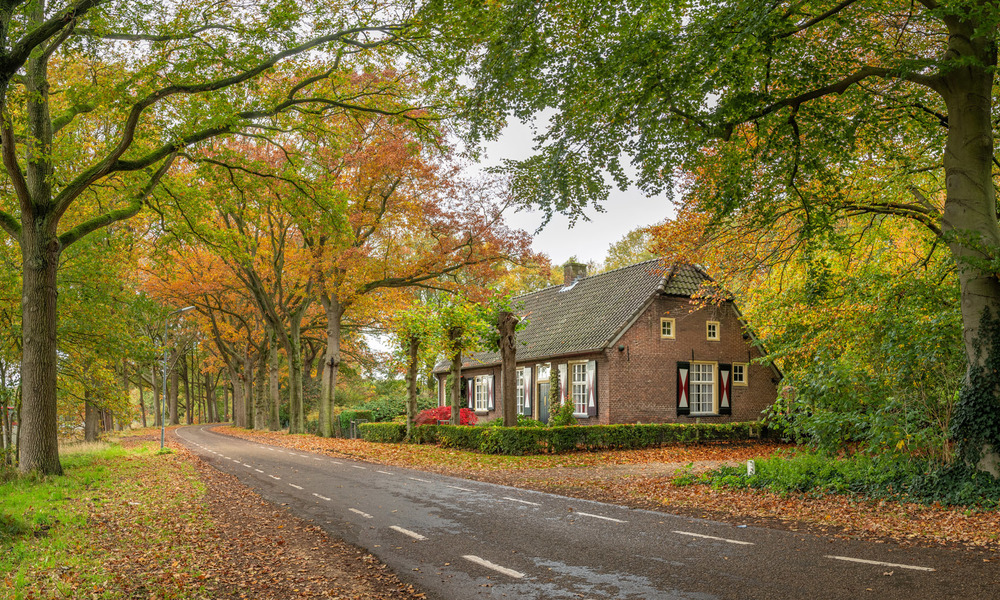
{"x": 317, "y": 458}
{"x": 532, "y": 503}
{"x": 247, "y": 466}
{"x": 458, "y": 488}
{"x": 879, "y": 563}
{"x": 362, "y": 513}
{"x": 485, "y": 563}
{"x": 273, "y": 477}
{"x": 358, "y": 467}
{"x": 322, "y": 497}
{"x": 295, "y": 486}
{"x": 336, "y": 463}
{"x": 712, "y": 537}
{"x": 258, "y": 470}
{"x": 226, "y": 457}
{"x": 583, "y": 514}
{"x": 271, "y": 449}
{"x": 412, "y": 534}
{"x": 419, "y": 479}
{"x": 384, "y": 472}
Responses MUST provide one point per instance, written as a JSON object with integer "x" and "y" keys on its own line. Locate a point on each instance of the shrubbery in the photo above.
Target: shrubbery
{"x": 534, "y": 440}
{"x": 442, "y": 414}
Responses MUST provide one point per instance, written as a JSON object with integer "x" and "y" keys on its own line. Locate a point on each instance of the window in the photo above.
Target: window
{"x": 667, "y": 328}
{"x": 739, "y": 374}
{"x": 702, "y": 388}
{"x": 579, "y": 389}
{"x": 520, "y": 388}
{"x": 482, "y": 393}
{"x": 712, "y": 330}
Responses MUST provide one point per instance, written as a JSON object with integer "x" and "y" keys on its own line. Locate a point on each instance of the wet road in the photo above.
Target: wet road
{"x": 455, "y": 538}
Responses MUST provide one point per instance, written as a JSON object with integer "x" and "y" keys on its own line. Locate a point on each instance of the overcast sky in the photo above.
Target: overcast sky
{"x": 587, "y": 240}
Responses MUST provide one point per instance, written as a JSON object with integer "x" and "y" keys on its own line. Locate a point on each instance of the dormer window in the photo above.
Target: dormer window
{"x": 712, "y": 331}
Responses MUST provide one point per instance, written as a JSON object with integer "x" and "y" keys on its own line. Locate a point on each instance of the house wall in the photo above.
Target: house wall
{"x": 639, "y": 383}
{"x": 642, "y": 379}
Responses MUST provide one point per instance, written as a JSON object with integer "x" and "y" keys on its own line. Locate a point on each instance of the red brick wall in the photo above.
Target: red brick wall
{"x": 639, "y": 384}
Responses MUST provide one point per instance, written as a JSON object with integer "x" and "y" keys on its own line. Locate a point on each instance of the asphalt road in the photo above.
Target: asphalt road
{"x": 455, "y": 539}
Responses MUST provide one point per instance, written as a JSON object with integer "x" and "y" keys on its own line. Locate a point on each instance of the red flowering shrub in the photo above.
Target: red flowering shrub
{"x": 442, "y": 414}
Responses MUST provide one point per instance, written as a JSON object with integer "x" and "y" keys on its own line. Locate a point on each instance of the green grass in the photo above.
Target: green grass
{"x": 58, "y": 533}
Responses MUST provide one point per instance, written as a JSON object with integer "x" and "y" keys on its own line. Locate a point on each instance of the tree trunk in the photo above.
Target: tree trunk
{"x": 413, "y": 354}
{"x": 39, "y": 444}
{"x": 328, "y": 424}
{"x": 247, "y": 380}
{"x": 142, "y": 397}
{"x": 456, "y": 377}
{"x": 239, "y": 416}
{"x": 274, "y": 422}
{"x": 506, "y": 327}
{"x": 186, "y": 377}
{"x": 262, "y": 400}
{"x": 158, "y": 411}
{"x": 90, "y": 418}
{"x": 225, "y": 402}
{"x": 210, "y": 399}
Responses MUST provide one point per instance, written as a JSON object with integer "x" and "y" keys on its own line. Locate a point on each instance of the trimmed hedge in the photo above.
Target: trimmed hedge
{"x": 347, "y": 415}
{"x": 382, "y": 432}
{"x": 516, "y": 441}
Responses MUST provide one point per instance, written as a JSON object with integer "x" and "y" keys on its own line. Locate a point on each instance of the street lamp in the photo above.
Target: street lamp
{"x": 163, "y": 405}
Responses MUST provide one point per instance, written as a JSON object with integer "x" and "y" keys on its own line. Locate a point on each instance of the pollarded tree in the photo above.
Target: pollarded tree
{"x": 820, "y": 109}
{"x": 140, "y": 80}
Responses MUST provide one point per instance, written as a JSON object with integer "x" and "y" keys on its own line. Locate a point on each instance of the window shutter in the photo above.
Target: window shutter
{"x": 591, "y": 388}
{"x": 562, "y": 383}
{"x": 472, "y": 392}
{"x": 490, "y": 405}
{"x": 725, "y": 389}
{"x": 683, "y": 379}
{"x": 528, "y": 389}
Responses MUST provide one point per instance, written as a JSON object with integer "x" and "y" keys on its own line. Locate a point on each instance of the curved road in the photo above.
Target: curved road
{"x": 455, "y": 539}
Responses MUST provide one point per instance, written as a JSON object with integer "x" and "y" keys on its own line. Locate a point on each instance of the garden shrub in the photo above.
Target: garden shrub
{"x": 348, "y": 415}
{"x": 562, "y": 415}
{"x": 382, "y": 432}
{"x": 442, "y": 414}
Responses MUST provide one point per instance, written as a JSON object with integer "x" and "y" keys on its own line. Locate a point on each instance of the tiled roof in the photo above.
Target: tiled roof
{"x": 589, "y": 314}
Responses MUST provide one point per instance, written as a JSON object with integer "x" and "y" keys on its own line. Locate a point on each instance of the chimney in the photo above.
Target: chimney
{"x": 573, "y": 271}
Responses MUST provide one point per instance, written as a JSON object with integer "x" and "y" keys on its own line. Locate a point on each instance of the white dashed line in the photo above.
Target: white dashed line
{"x": 526, "y": 502}
{"x": 419, "y": 479}
{"x": 583, "y": 514}
{"x": 336, "y": 463}
{"x": 362, "y": 513}
{"x": 295, "y": 486}
{"x": 455, "y": 487}
{"x": 273, "y": 477}
{"x": 247, "y": 466}
{"x": 712, "y": 537}
{"x": 485, "y": 563}
{"x": 412, "y": 534}
{"x": 258, "y": 470}
{"x": 226, "y": 457}
{"x": 271, "y": 449}
{"x": 879, "y": 563}
{"x": 359, "y": 467}
{"x": 317, "y": 458}
{"x": 321, "y": 497}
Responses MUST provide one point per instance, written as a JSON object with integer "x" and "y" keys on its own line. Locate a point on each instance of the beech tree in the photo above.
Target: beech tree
{"x": 143, "y": 79}
{"x": 822, "y": 110}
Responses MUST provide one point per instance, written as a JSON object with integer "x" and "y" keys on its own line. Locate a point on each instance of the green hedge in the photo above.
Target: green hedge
{"x": 382, "y": 432}
{"x": 517, "y": 441}
{"x": 347, "y": 415}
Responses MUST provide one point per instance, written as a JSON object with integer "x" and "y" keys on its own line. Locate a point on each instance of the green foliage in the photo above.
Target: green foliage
{"x": 346, "y": 416}
{"x": 882, "y": 476}
{"x": 389, "y": 433}
{"x": 562, "y": 413}
{"x": 522, "y": 421}
{"x": 386, "y": 408}
{"x": 521, "y": 440}
{"x": 976, "y": 422}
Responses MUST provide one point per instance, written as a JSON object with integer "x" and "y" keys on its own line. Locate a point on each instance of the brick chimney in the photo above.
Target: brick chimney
{"x": 573, "y": 271}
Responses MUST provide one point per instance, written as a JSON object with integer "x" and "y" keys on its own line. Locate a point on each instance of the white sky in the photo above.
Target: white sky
{"x": 587, "y": 240}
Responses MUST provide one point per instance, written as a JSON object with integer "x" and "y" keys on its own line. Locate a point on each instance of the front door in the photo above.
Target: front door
{"x": 543, "y": 402}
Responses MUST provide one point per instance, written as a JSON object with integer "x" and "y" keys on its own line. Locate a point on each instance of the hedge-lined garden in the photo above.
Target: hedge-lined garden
{"x": 516, "y": 441}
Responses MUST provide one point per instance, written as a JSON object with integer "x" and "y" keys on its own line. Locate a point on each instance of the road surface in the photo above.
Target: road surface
{"x": 455, "y": 539}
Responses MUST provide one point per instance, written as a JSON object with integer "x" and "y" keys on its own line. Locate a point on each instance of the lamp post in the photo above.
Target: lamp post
{"x": 163, "y": 406}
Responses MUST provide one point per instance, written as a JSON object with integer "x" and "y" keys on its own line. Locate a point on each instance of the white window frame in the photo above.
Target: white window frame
{"x": 520, "y": 387}
{"x": 708, "y": 331}
{"x": 743, "y": 369}
{"x": 578, "y": 388}
{"x": 696, "y": 388}
{"x": 481, "y": 388}
{"x": 673, "y": 328}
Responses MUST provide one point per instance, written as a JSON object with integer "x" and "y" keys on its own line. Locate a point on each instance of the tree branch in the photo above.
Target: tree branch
{"x": 9, "y": 224}
{"x": 818, "y": 19}
{"x": 137, "y": 37}
{"x": 21, "y": 50}
{"x": 113, "y": 216}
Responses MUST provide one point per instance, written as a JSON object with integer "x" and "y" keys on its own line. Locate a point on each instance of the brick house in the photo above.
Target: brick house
{"x": 630, "y": 345}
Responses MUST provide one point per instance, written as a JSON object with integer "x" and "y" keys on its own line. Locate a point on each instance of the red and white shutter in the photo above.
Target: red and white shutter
{"x": 562, "y": 383}
{"x": 528, "y": 388}
{"x": 472, "y": 392}
{"x": 490, "y": 405}
{"x": 591, "y": 388}
{"x": 683, "y": 387}
{"x": 725, "y": 389}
